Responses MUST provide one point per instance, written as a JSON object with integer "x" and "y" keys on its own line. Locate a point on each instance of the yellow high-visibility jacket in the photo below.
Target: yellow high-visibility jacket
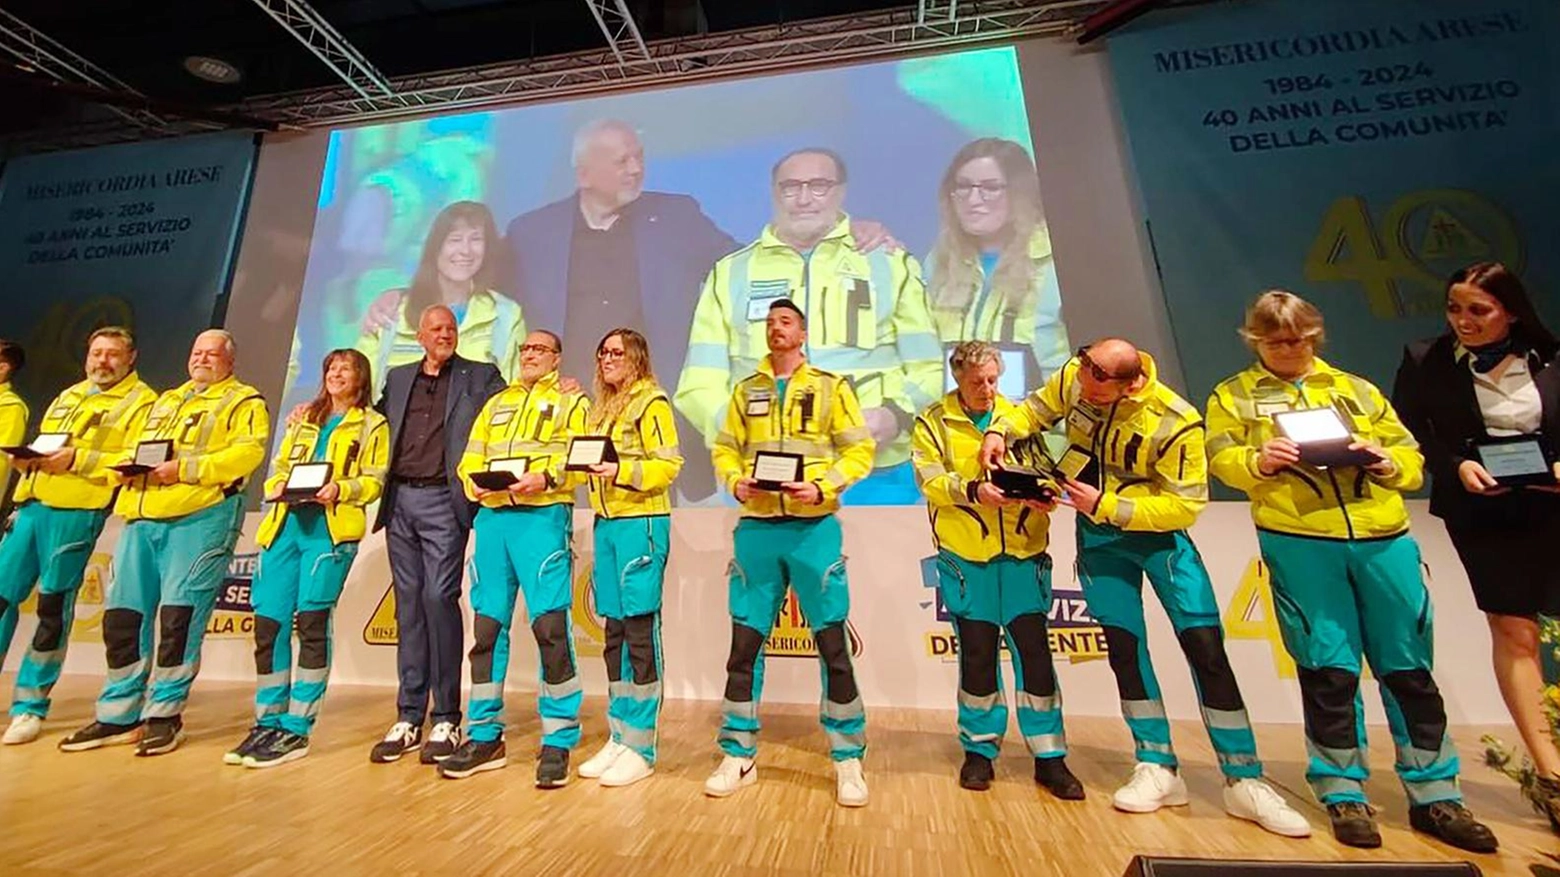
{"x": 535, "y": 423}
{"x": 1346, "y": 503}
{"x": 1028, "y": 320}
{"x": 867, "y": 321}
{"x": 13, "y": 429}
{"x": 945, "y": 448}
{"x": 358, "y": 451}
{"x": 1149, "y": 447}
{"x": 100, "y": 424}
{"x": 645, "y": 437}
{"x": 492, "y": 330}
{"x": 219, "y": 437}
{"x": 819, "y": 418}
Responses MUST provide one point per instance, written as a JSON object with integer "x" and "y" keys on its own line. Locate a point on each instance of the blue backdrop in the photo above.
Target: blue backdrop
{"x": 1355, "y": 152}
{"x": 141, "y": 234}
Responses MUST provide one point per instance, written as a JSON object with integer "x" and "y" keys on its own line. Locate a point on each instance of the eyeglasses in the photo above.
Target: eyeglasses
{"x": 606, "y": 354}
{"x": 537, "y": 348}
{"x": 1284, "y": 343}
{"x": 1098, "y": 372}
{"x": 820, "y": 188}
{"x": 988, "y": 191}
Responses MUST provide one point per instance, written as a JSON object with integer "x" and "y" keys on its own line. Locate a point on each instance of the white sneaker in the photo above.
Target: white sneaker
{"x": 733, "y": 773}
{"x": 1255, "y": 800}
{"x": 1152, "y": 786}
{"x": 850, "y": 787}
{"x": 597, "y": 764}
{"x": 24, "y": 729}
{"x": 629, "y": 768}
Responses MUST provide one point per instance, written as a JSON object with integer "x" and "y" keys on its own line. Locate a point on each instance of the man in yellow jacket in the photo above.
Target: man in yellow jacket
{"x": 524, "y": 535}
{"x": 13, "y": 415}
{"x": 867, "y": 312}
{"x": 63, "y": 500}
{"x": 183, "y": 520}
{"x": 1134, "y": 470}
{"x": 994, "y": 574}
{"x": 789, "y": 536}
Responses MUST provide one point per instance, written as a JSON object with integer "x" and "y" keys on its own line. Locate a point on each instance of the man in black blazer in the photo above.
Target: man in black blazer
{"x": 431, "y": 406}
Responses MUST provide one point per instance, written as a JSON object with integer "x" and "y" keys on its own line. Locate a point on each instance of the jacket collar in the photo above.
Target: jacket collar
{"x": 803, "y": 371}
{"x": 213, "y": 391}
{"x": 840, "y": 233}
{"x": 953, "y": 409}
{"x": 1322, "y": 375}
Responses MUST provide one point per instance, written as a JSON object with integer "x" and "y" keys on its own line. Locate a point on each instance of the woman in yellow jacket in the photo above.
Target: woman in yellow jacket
{"x": 994, "y": 575}
{"x": 632, "y": 534}
{"x": 990, "y": 275}
{"x": 1345, "y": 571}
{"x": 306, "y": 550}
{"x": 456, "y": 269}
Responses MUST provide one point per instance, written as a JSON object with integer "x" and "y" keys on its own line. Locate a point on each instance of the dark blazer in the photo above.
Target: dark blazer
{"x": 471, "y": 385}
{"x": 1434, "y": 396}
{"x": 676, "y": 245}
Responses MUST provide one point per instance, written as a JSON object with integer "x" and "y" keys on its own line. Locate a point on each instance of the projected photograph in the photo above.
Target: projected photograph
{"x": 896, "y": 203}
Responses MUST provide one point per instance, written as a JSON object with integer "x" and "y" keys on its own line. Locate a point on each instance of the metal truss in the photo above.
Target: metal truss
{"x": 316, "y": 34}
{"x": 811, "y": 43}
{"x": 36, "y": 52}
{"x": 936, "y": 10}
{"x": 616, "y": 22}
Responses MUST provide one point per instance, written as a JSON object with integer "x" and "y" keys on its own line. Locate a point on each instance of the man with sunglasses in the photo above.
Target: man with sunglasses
{"x": 1136, "y": 473}
{"x": 866, "y": 311}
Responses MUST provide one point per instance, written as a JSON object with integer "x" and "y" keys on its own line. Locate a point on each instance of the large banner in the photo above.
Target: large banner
{"x": 1355, "y": 152}
{"x": 140, "y": 235}
{"x": 582, "y": 216}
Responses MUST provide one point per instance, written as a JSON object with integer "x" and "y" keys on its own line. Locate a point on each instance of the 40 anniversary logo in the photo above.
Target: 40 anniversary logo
{"x": 1074, "y": 633}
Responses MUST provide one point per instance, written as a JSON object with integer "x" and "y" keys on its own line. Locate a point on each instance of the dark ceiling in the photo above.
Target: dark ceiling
{"x": 144, "y": 42}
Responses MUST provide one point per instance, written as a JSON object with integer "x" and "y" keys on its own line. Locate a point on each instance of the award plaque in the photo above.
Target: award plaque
{"x": 148, "y": 456}
{"x": 1517, "y": 461}
{"x": 305, "y": 480}
{"x": 501, "y": 473}
{"x": 45, "y": 444}
{"x": 1019, "y": 482}
{"x": 772, "y": 469}
{"x": 586, "y": 451}
{"x": 1323, "y": 438}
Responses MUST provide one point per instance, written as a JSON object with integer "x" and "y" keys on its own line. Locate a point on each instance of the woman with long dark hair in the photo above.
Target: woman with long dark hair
{"x": 990, "y": 274}
{"x": 457, "y": 269}
{"x": 632, "y": 536}
{"x": 306, "y": 549}
{"x": 1494, "y": 374}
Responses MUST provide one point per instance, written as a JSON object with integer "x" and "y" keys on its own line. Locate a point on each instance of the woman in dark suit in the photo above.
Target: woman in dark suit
{"x": 1495, "y": 374}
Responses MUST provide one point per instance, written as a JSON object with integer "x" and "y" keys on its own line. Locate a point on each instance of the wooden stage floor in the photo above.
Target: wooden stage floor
{"x": 107, "y": 812}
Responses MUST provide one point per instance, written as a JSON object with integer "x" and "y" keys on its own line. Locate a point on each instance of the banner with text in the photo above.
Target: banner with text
{"x": 140, "y": 234}
{"x": 1355, "y": 152}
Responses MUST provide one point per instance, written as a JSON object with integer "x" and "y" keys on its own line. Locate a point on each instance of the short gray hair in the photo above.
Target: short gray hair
{"x": 227, "y": 339}
{"x": 974, "y": 353}
{"x": 587, "y": 134}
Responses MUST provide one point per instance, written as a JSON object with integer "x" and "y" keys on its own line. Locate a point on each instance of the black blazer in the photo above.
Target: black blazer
{"x": 1434, "y": 396}
{"x": 471, "y": 385}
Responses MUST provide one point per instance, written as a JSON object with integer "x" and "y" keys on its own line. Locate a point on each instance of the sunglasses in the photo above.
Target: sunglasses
{"x": 1098, "y": 372}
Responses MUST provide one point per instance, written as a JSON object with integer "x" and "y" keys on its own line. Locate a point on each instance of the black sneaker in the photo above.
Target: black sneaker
{"x": 99, "y": 734}
{"x": 976, "y": 773}
{"x": 474, "y": 757}
{"x": 403, "y": 737}
{"x": 161, "y": 736}
{"x": 1058, "y": 779}
{"x": 1453, "y": 824}
{"x": 552, "y": 767}
{"x": 443, "y": 740}
{"x": 278, "y": 748}
{"x": 1353, "y": 825}
{"x": 257, "y": 735}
